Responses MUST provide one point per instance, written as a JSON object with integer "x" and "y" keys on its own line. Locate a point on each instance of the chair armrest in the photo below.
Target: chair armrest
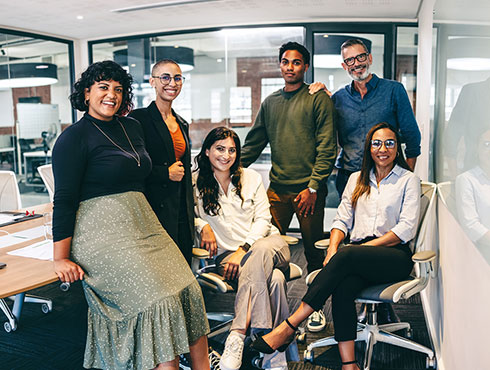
{"x": 214, "y": 281}
{"x": 291, "y": 240}
{"x": 424, "y": 256}
{"x": 200, "y": 253}
{"x": 311, "y": 276}
{"x": 295, "y": 272}
{"x": 322, "y": 244}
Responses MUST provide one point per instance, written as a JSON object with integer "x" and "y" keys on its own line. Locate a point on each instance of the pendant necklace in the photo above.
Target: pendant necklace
{"x": 136, "y": 157}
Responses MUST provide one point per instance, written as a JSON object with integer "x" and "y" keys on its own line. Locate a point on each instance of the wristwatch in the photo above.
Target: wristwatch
{"x": 245, "y": 247}
{"x": 312, "y": 191}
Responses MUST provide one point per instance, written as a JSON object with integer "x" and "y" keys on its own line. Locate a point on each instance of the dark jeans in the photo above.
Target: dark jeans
{"x": 282, "y": 209}
{"x": 350, "y": 270}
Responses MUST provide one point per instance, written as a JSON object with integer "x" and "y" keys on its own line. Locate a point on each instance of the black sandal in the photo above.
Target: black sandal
{"x": 260, "y": 345}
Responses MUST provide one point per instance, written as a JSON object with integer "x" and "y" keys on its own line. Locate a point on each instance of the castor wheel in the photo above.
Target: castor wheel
{"x": 8, "y": 327}
{"x": 308, "y": 356}
{"x": 431, "y": 363}
{"x": 257, "y": 362}
{"x": 45, "y": 308}
{"x": 301, "y": 338}
{"x": 409, "y": 333}
{"x": 65, "y": 287}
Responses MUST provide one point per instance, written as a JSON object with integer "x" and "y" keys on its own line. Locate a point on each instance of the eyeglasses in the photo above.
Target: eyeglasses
{"x": 360, "y": 58}
{"x": 389, "y": 144}
{"x": 166, "y": 78}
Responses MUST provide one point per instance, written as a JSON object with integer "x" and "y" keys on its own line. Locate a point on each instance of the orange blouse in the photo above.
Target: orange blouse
{"x": 179, "y": 143}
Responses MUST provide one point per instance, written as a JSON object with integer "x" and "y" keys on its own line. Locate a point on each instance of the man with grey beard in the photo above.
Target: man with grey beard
{"x": 369, "y": 100}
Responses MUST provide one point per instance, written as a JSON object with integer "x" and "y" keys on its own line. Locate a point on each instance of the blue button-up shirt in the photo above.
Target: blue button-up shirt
{"x": 392, "y": 206}
{"x": 385, "y": 101}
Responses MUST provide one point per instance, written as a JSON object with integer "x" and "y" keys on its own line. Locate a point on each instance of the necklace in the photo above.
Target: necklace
{"x": 136, "y": 157}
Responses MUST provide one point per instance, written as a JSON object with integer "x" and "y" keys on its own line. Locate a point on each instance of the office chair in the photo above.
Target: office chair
{"x": 372, "y": 332}
{"x": 10, "y": 200}
{"x": 216, "y": 283}
{"x": 9, "y": 192}
{"x": 46, "y": 172}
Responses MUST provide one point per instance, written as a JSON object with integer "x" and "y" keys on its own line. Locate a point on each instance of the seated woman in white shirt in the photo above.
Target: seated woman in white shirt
{"x": 380, "y": 210}
{"x": 234, "y": 222}
{"x": 473, "y": 197}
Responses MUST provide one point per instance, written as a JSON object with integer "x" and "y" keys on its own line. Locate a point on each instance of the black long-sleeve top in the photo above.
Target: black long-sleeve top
{"x": 87, "y": 165}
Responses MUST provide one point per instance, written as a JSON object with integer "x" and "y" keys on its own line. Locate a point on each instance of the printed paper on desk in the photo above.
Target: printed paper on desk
{"x": 42, "y": 250}
{"x": 8, "y": 218}
{"x": 21, "y": 236}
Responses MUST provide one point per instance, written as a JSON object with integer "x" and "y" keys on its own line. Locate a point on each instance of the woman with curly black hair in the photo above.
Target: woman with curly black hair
{"x": 234, "y": 222}
{"x": 144, "y": 304}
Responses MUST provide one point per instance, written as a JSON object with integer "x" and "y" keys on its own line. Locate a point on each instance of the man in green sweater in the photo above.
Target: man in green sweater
{"x": 303, "y": 141}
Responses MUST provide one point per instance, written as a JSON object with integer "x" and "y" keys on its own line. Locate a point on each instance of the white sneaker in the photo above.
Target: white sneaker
{"x": 231, "y": 359}
{"x": 316, "y": 321}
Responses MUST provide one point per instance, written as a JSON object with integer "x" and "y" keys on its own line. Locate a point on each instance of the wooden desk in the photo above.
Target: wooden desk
{"x": 23, "y": 274}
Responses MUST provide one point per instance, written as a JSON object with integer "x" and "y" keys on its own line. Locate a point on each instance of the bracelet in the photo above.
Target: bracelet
{"x": 245, "y": 247}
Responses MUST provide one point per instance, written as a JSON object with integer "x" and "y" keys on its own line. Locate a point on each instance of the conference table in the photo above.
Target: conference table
{"x": 23, "y": 274}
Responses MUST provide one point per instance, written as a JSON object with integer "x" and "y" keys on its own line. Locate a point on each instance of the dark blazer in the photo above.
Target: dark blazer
{"x": 163, "y": 194}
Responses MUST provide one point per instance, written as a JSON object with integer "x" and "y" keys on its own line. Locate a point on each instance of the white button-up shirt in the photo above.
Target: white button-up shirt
{"x": 473, "y": 202}
{"x": 392, "y": 206}
{"x": 237, "y": 222}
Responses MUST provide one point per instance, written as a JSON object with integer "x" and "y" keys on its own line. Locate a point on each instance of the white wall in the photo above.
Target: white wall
{"x": 456, "y": 302}
{"x": 6, "y": 112}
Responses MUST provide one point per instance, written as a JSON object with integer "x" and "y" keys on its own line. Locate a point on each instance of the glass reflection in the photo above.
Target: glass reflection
{"x": 473, "y": 195}
{"x": 463, "y": 145}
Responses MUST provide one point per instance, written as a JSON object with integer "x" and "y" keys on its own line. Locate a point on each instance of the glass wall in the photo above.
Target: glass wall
{"x": 228, "y": 73}
{"x": 35, "y": 81}
{"x": 463, "y": 128}
{"x": 406, "y": 73}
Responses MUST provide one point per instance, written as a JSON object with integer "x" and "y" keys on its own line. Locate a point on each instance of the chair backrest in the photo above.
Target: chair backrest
{"x": 9, "y": 192}
{"x": 427, "y": 201}
{"x": 46, "y": 172}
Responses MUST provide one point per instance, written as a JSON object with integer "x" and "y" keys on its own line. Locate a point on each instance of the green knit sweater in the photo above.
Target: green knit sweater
{"x": 302, "y": 137}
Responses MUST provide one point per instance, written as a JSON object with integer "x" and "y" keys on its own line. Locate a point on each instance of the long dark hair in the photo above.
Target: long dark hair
{"x": 362, "y": 186}
{"x": 206, "y": 183}
{"x": 103, "y": 71}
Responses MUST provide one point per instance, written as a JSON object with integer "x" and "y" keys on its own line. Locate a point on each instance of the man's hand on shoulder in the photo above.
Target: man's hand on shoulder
{"x": 307, "y": 200}
{"x": 318, "y": 86}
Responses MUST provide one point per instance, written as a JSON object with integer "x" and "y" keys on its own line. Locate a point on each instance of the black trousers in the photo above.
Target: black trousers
{"x": 350, "y": 270}
{"x": 184, "y": 238}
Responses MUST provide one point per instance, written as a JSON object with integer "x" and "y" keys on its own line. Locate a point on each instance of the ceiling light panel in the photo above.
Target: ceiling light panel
{"x": 161, "y": 5}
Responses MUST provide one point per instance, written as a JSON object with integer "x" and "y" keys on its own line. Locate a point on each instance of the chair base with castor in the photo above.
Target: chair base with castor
{"x": 19, "y": 300}
{"x": 372, "y": 333}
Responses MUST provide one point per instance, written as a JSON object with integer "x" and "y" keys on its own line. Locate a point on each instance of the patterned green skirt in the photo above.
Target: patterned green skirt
{"x": 145, "y": 305}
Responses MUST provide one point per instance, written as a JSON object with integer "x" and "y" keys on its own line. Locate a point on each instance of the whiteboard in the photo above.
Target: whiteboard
{"x": 36, "y": 118}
